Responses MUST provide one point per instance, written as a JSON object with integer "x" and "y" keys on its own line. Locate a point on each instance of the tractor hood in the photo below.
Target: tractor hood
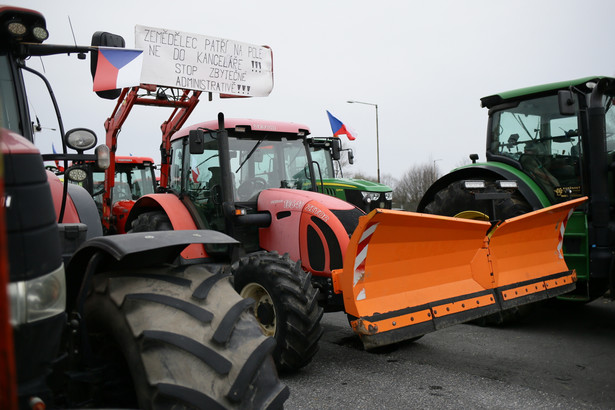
{"x": 309, "y": 226}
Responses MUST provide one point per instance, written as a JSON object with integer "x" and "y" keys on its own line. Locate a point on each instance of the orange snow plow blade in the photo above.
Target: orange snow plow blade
{"x": 407, "y": 274}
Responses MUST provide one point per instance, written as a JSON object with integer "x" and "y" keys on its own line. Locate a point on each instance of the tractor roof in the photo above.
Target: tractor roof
{"x": 523, "y": 93}
{"x": 250, "y": 124}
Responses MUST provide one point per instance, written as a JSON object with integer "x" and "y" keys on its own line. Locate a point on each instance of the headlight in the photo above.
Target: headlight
{"x": 507, "y": 184}
{"x": 38, "y": 298}
{"x": 388, "y": 196}
{"x": 478, "y": 184}
{"x": 80, "y": 139}
{"x": 17, "y": 29}
{"x": 368, "y": 197}
{"x": 40, "y": 33}
{"x": 77, "y": 174}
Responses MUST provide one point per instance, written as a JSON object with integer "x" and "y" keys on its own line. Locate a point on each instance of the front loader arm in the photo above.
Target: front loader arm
{"x": 407, "y": 274}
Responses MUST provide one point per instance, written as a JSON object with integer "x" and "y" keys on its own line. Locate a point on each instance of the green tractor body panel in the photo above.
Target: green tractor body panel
{"x": 576, "y": 249}
{"x": 354, "y": 191}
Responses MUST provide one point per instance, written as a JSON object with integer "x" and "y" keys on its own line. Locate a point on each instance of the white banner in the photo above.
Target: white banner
{"x": 204, "y": 63}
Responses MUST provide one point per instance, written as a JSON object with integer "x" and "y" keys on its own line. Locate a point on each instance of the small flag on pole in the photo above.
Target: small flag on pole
{"x": 117, "y": 68}
{"x": 339, "y": 128}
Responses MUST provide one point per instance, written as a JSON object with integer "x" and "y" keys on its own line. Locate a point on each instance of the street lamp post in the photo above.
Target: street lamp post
{"x": 377, "y": 137}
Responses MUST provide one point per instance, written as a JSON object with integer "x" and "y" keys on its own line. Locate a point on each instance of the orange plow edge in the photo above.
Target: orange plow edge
{"x": 407, "y": 274}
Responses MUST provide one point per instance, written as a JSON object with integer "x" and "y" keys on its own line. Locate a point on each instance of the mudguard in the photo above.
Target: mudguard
{"x": 407, "y": 274}
{"x": 135, "y": 250}
{"x": 178, "y": 214}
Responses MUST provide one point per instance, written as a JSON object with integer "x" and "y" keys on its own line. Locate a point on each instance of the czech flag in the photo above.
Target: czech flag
{"x": 339, "y": 128}
{"x": 117, "y": 68}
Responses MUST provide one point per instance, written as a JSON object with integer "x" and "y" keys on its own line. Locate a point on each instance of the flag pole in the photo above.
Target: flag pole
{"x": 377, "y": 136}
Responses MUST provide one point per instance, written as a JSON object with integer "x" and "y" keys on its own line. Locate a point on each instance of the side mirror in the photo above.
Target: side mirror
{"x": 350, "y": 157}
{"x": 565, "y": 100}
{"x": 196, "y": 141}
{"x": 104, "y": 39}
{"x": 335, "y": 149}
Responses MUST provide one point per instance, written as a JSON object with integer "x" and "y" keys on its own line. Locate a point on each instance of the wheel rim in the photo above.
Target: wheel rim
{"x": 264, "y": 310}
{"x": 476, "y": 215}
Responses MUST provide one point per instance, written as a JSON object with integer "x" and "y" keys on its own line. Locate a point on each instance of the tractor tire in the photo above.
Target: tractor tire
{"x": 151, "y": 221}
{"x": 178, "y": 337}
{"x": 455, "y": 200}
{"x": 286, "y": 305}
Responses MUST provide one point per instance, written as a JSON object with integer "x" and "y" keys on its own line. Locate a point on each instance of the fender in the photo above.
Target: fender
{"x": 530, "y": 191}
{"x": 175, "y": 209}
{"x": 178, "y": 214}
{"x": 131, "y": 250}
{"x": 86, "y": 210}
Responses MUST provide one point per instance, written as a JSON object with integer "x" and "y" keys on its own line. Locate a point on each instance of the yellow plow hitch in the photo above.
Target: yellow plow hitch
{"x": 407, "y": 274}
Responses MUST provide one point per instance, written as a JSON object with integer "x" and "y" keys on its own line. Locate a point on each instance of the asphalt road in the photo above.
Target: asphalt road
{"x": 558, "y": 357}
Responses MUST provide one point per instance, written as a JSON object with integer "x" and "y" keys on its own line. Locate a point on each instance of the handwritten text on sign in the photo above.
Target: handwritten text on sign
{"x": 204, "y": 63}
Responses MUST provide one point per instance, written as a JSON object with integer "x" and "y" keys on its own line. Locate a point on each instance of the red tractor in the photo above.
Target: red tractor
{"x": 134, "y": 177}
{"x": 107, "y": 321}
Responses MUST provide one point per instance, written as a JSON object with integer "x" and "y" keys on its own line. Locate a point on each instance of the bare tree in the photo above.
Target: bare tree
{"x": 413, "y": 184}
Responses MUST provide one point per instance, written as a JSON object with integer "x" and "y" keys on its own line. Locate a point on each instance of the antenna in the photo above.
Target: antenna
{"x": 80, "y": 56}
{"x": 42, "y": 64}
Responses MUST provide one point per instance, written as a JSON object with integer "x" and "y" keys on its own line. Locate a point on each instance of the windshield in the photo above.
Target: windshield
{"x": 255, "y": 165}
{"x": 131, "y": 183}
{"x": 545, "y": 143}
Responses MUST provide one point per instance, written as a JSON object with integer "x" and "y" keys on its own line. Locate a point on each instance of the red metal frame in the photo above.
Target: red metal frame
{"x": 129, "y": 97}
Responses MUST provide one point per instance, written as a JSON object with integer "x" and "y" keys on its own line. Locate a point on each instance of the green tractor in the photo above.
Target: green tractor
{"x": 546, "y": 145}
{"x": 366, "y": 195}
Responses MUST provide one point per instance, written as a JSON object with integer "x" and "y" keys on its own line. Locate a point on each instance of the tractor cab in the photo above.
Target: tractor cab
{"x": 543, "y": 134}
{"x": 366, "y": 195}
{"x": 260, "y": 155}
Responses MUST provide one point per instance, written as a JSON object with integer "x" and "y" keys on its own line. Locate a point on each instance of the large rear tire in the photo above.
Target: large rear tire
{"x": 455, "y": 200}
{"x": 286, "y": 305}
{"x": 185, "y": 338}
{"x": 151, "y": 221}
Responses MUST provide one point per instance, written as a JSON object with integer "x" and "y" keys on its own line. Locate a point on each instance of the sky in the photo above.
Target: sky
{"x": 425, "y": 64}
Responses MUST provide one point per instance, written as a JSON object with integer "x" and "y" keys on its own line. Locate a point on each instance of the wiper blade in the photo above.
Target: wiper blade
{"x": 251, "y": 152}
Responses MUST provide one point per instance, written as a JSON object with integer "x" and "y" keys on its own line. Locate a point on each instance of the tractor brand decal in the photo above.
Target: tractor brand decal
{"x": 359, "y": 264}
{"x": 276, "y": 201}
{"x": 562, "y": 229}
{"x": 313, "y": 209}
{"x": 264, "y": 127}
{"x": 291, "y": 204}
{"x": 567, "y": 191}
